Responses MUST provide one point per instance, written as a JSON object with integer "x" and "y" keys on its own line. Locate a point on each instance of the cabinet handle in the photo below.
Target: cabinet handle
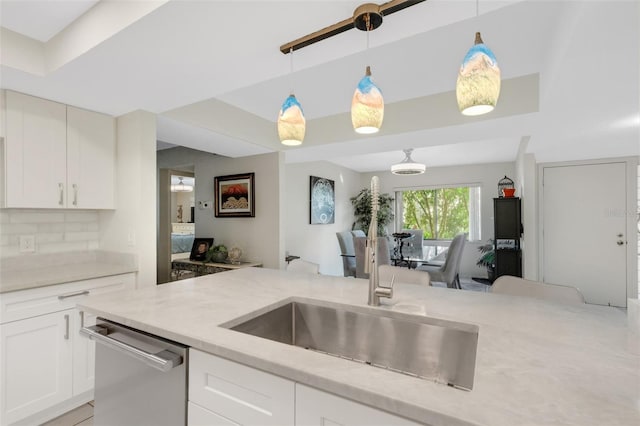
{"x": 79, "y": 293}
{"x": 66, "y": 327}
{"x": 75, "y": 194}
{"x": 81, "y": 319}
{"x": 61, "y": 193}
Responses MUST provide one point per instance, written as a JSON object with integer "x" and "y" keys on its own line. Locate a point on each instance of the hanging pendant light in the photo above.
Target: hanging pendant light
{"x": 291, "y": 122}
{"x": 408, "y": 166}
{"x": 478, "y": 86}
{"x": 367, "y": 106}
{"x": 181, "y": 187}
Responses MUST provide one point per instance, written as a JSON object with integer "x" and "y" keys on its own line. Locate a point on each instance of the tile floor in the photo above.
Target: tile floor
{"x": 81, "y": 416}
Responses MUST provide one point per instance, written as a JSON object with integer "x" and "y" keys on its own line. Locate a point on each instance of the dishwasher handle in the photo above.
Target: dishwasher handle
{"x": 163, "y": 361}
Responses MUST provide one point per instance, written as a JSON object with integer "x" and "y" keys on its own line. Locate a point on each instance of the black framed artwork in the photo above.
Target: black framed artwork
{"x": 235, "y": 195}
{"x": 322, "y": 201}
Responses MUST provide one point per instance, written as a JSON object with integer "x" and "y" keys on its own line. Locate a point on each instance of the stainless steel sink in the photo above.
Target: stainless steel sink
{"x": 428, "y": 348}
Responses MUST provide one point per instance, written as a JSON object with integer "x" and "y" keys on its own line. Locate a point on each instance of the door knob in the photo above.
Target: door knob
{"x": 620, "y": 242}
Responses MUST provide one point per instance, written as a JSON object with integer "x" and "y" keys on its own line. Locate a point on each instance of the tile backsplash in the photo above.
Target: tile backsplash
{"x": 55, "y": 231}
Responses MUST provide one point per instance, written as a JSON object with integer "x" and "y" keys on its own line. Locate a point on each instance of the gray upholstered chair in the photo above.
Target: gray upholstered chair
{"x": 449, "y": 271}
{"x": 515, "y": 286}
{"x": 412, "y": 246}
{"x": 299, "y": 265}
{"x": 358, "y": 233}
{"x": 347, "y": 250}
{"x": 401, "y": 274}
{"x": 384, "y": 256}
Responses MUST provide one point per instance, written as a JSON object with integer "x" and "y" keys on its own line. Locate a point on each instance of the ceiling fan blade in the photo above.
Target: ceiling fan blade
{"x": 317, "y": 36}
{"x": 394, "y": 6}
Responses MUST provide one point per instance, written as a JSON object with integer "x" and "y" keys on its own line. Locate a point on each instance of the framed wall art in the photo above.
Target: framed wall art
{"x": 235, "y": 195}
{"x": 199, "y": 248}
{"x": 323, "y": 201}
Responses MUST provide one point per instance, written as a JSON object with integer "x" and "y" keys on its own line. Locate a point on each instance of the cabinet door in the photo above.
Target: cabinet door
{"x": 317, "y": 408}
{"x": 240, "y": 394}
{"x": 35, "y": 364}
{"x": 198, "y": 416}
{"x": 91, "y": 152}
{"x": 35, "y": 152}
{"x": 84, "y": 353}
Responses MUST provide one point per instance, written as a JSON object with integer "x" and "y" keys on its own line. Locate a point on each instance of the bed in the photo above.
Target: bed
{"x": 182, "y": 235}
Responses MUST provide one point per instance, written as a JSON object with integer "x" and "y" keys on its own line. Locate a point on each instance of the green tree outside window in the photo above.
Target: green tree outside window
{"x": 440, "y": 213}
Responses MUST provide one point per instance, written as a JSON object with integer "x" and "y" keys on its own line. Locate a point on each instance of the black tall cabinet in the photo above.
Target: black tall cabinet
{"x": 507, "y": 223}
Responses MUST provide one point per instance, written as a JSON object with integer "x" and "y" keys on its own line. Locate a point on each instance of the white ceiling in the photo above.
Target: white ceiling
{"x": 213, "y": 72}
{"x": 41, "y": 19}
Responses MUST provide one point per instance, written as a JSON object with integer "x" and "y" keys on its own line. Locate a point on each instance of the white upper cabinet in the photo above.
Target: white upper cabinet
{"x": 35, "y": 152}
{"x": 57, "y": 156}
{"x": 91, "y": 151}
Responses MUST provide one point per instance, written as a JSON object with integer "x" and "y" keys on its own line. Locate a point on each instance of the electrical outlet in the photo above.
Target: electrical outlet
{"x": 204, "y": 205}
{"x": 27, "y": 243}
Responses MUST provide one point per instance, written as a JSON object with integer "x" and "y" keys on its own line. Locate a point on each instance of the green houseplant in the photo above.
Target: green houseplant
{"x": 217, "y": 254}
{"x": 488, "y": 259}
{"x": 362, "y": 211}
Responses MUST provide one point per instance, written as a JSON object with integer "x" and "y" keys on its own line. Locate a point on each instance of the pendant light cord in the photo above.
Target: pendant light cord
{"x": 291, "y": 70}
{"x": 477, "y": 8}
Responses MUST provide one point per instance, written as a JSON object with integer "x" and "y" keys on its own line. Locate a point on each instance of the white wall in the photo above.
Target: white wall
{"x": 187, "y": 200}
{"x": 485, "y": 175}
{"x": 318, "y": 243}
{"x": 258, "y": 237}
{"x": 56, "y": 231}
{"x": 526, "y": 184}
{"x": 131, "y": 228}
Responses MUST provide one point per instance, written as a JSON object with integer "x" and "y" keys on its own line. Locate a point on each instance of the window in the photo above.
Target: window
{"x": 441, "y": 213}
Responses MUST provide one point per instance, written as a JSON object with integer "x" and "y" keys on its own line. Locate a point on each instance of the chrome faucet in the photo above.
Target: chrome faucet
{"x": 375, "y": 290}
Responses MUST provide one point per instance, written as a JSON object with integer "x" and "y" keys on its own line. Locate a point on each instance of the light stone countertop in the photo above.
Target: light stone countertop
{"x": 537, "y": 363}
{"x": 27, "y": 272}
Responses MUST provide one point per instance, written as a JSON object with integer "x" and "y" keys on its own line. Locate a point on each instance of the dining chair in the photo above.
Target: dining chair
{"x": 515, "y": 286}
{"x": 384, "y": 256}
{"x": 412, "y": 246}
{"x": 450, "y": 270}
{"x": 401, "y": 274}
{"x": 348, "y": 253}
{"x": 299, "y": 265}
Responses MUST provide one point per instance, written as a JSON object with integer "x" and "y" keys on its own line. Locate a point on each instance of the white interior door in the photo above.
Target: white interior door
{"x": 584, "y": 241}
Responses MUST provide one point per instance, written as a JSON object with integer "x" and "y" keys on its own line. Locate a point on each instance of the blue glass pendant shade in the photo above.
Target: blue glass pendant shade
{"x": 478, "y": 86}
{"x": 291, "y": 122}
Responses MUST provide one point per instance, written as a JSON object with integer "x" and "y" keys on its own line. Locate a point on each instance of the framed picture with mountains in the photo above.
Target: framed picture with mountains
{"x": 235, "y": 195}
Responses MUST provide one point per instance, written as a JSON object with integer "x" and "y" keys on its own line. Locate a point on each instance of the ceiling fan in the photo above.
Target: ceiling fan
{"x": 366, "y": 17}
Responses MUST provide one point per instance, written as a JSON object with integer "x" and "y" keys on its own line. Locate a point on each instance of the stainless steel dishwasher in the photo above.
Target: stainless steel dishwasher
{"x": 141, "y": 379}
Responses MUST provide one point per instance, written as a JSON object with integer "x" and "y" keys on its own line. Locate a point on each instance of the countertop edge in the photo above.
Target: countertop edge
{"x": 69, "y": 278}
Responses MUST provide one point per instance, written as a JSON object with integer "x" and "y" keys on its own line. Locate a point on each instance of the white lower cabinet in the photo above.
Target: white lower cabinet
{"x": 84, "y": 354}
{"x": 46, "y": 366}
{"x": 318, "y": 408}
{"x": 225, "y": 393}
{"x": 35, "y": 367}
{"x": 233, "y": 393}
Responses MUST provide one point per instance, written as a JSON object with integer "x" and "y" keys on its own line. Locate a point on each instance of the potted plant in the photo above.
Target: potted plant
{"x": 362, "y": 211}
{"x": 488, "y": 259}
{"x": 217, "y": 254}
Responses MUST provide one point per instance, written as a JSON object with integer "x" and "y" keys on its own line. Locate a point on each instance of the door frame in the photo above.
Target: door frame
{"x": 631, "y": 232}
{"x": 164, "y": 218}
